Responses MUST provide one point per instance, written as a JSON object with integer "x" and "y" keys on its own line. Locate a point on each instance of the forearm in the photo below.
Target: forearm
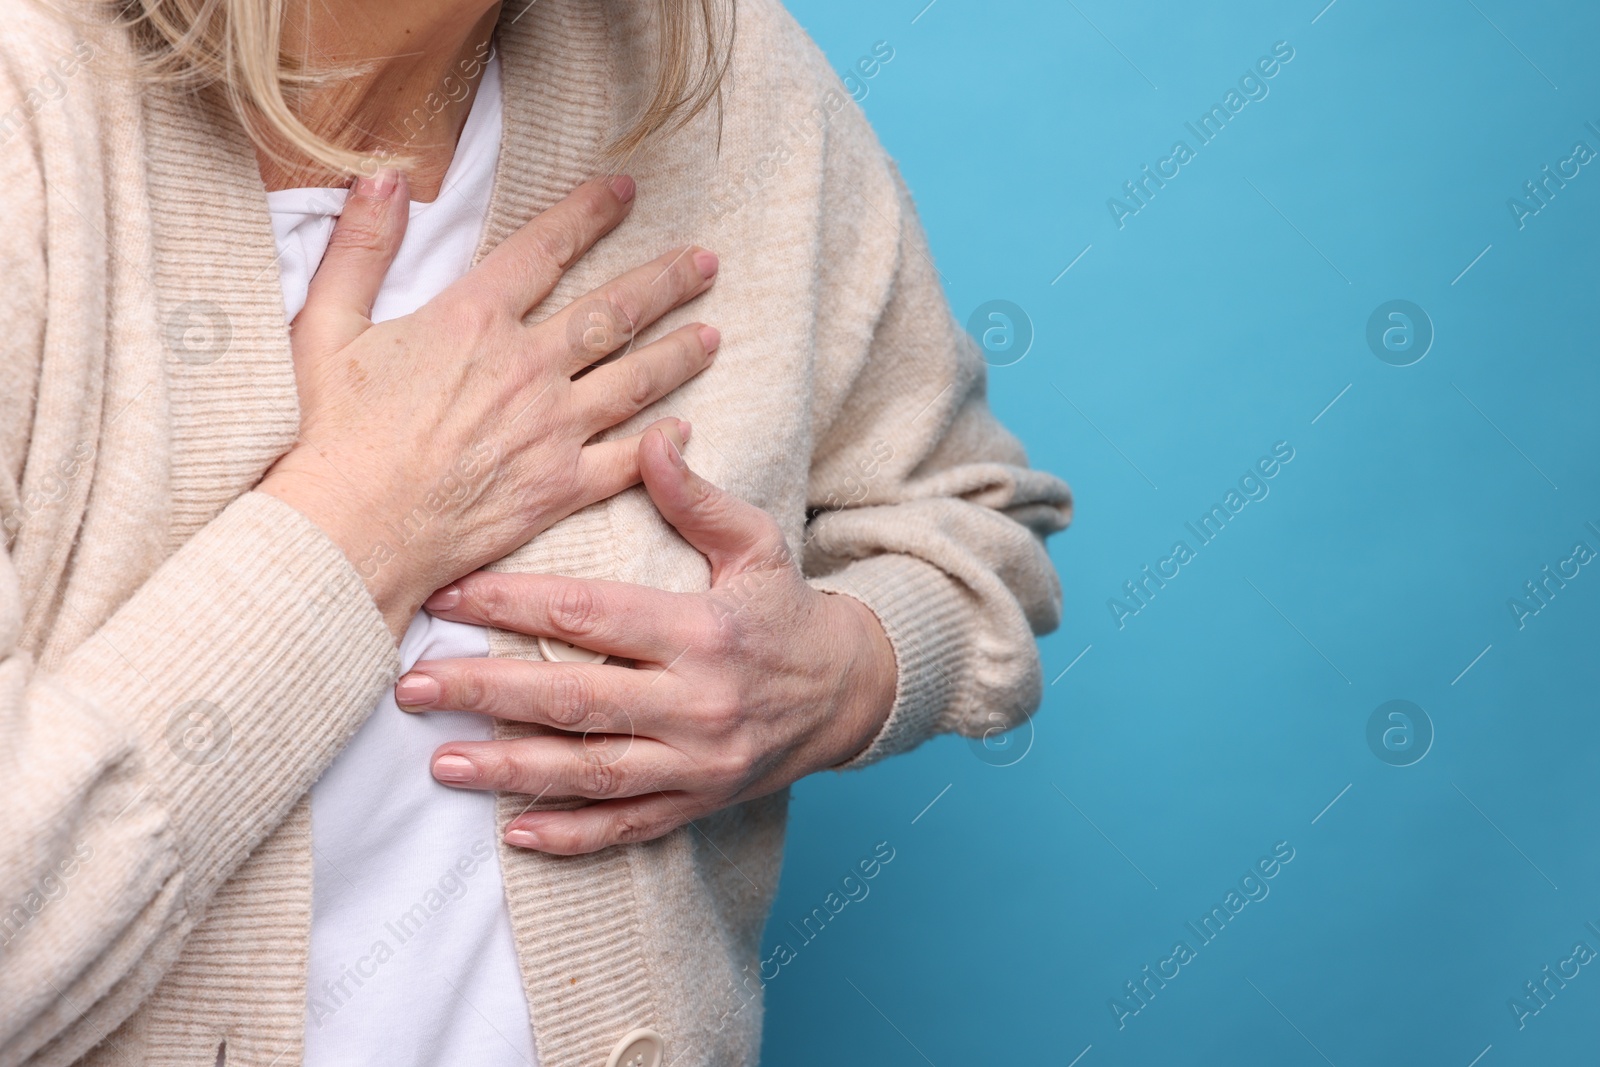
{"x": 164, "y": 749}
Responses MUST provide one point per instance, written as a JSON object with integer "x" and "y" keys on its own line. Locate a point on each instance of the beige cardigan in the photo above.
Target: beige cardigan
{"x": 180, "y": 657}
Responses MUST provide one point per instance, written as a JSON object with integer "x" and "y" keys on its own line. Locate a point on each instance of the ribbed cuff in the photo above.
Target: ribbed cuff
{"x": 922, "y": 611}
{"x": 243, "y": 665}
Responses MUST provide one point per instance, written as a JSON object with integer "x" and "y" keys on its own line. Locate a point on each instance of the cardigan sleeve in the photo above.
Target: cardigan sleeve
{"x": 141, "y": 771}
{"x": 922, "y": 506}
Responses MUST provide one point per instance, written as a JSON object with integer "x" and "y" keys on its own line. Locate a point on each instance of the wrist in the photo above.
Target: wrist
{"x": 348, "y": 523}
{"x": 875, "y": 678}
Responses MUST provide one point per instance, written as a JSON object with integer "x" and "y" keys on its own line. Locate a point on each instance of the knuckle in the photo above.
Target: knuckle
{"x": 735, "y": 767}
{"x": 723, "y": 709}
{"x": 598, "y": 777}
{"x": 638, "y": 384}
{"x": 721, "y": 638}
{"x": 361, "y": 232}
{"x": 571, "y": 697}
{"x": 593, "y": 329}
{"x": 622, "y": 305}
{"x": 576, "y": 609}
{"x": 630, "y": 827}
{"x": 682, "y": 355}
{"x": 489, "y": 599}
{"x": 468, "y": 693}
{"x": 498, "y": 769}
{"x": 556, "y": 243}
{"x": 472, "y": 319}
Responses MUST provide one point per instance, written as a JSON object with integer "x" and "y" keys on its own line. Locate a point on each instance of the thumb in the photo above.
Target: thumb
{"x": 367, "y": 235}
{"x": 733, "y": 534}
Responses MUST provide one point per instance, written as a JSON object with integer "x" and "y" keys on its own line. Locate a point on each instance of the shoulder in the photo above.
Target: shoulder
{"x": 768, "y": 33}
{"x": 43, "y": 49}
{"x": 57, "y": 69}
{"x": 778, "y": 71}
{"x": 793, "y": 133}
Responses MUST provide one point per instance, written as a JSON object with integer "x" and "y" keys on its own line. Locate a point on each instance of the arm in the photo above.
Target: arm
{"x": 141, "y": 771}
{"x": 925, "y": 510}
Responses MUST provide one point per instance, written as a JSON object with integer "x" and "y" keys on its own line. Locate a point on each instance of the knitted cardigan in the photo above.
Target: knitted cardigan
{"x": 181, "y": 657}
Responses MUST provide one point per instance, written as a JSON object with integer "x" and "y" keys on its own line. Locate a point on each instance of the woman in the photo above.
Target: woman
{"x": 221, "y": 529}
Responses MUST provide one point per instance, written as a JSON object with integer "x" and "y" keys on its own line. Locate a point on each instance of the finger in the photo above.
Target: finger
{"x": 597, "y": 826}
{"x": 365, "y": 239}
{"x": 733, "y": 534}
{"x": 618, "y": 618}
{"x": 593, "y": 766}
{"x": 524, "y": 268}
{"x": 605, "y": 319}
{"x": 606, "y": 468}
{"x": 618, "y": 391}
{"x": 577, "y": 697}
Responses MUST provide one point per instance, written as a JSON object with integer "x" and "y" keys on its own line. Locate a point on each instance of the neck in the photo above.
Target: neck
{"x": 418, "y": 64}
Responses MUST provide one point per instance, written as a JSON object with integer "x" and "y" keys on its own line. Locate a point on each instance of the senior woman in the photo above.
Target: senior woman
{"x": 358, "y": 702}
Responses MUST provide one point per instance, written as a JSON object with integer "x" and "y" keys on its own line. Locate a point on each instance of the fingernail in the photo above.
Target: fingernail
{"x": 444, "y": 599}
{"x": 710, "y": 338}
{"x": 706, "y": 263}
{"x": 454, "y": 769}
{"x": 416, "y": 689}
{"x": 522, "y": 838}
{"x": 377, "y": 186}
{"x": 673, "y": 453}
{"x": 623, "y": 188}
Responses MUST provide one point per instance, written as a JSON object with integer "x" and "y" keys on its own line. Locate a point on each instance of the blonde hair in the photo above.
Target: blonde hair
{"x": 237, "y": 45}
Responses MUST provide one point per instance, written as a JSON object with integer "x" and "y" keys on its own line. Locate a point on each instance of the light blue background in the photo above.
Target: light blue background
{"x": 1221, "y": 319}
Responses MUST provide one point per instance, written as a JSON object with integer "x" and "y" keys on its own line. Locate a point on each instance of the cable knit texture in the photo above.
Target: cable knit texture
{"x": 181, "y": 657}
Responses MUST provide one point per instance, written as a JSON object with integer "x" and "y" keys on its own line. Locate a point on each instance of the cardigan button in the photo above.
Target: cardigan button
{"x": 557, "y": 651}
{"x": 638, "y": 1048}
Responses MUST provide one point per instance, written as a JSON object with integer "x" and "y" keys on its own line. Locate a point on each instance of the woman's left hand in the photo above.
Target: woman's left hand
{"x": 733, "y": 694}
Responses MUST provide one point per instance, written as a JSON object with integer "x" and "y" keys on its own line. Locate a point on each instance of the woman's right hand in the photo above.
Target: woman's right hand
{"x": 437, "y": 442}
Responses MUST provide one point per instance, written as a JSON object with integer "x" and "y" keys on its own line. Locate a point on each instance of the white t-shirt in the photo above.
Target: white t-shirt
{"x": 412, "y": 957}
